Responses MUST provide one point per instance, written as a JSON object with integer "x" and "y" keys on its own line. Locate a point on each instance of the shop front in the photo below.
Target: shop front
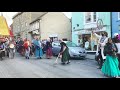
{"x": 53, "y": 37}
{"x": 87, "y": 40}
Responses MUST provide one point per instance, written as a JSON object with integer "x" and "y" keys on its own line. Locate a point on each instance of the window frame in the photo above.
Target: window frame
{"x": 92, "y": 18}
{"x": 118, "y": 15}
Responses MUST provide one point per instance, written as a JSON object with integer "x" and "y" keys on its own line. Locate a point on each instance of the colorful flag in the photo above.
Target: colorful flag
{"x": 4, "y": 30}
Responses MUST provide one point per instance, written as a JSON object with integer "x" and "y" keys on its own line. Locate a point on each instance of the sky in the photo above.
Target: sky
{"x": 9, "y": 15}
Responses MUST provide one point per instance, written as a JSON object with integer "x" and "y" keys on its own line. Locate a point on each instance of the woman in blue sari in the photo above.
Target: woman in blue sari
{"x": 38, "y": 48}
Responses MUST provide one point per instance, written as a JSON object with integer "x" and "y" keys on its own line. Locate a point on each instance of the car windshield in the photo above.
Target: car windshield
{"x": 56, "y": 44}
{"x": 71, "y": 44}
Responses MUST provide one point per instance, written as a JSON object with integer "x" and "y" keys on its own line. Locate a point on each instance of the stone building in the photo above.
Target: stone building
{"x": 54, "y": 25}
{"x": 21, "y": 23}
{"x": 46, "y": 24}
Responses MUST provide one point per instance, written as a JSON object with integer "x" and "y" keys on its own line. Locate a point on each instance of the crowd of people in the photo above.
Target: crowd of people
{"x": 38, "y": 48}
{"x": 108, "y": 49}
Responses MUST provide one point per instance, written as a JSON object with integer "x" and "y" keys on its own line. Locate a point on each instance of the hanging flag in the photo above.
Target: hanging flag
{"x": 4, "y": 30}
{"x": 11, "y": 33}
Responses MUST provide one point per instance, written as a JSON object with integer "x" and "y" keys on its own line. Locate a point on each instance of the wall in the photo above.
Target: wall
{"x": 105, "y": 16}
{"x": 78, "y": 18}
{"x": 35, "y": 15}
{"x": 115, "y": 23}
{"x": 21, "y": 21}
{"x": 55, "y": 23}
{"x": 15, "y": 25}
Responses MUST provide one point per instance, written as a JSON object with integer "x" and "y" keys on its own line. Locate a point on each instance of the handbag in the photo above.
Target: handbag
{"x": 38, "y": 48}
{"x": 105, "y": 50}
{"x": 114, "y": 54}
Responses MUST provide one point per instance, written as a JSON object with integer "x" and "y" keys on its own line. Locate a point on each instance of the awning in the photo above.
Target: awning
{"x": 4, "y": 30}
{"x": 88, "y": 31}
{"x": 53, "y": 35}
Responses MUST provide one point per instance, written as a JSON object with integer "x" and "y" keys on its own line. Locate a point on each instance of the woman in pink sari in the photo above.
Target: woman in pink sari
{"x": 48, "y": 49}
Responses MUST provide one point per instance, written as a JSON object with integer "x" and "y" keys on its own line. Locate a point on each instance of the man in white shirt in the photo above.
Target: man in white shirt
{"x": 103, "y": 39}
{"x": 87, "y": 45}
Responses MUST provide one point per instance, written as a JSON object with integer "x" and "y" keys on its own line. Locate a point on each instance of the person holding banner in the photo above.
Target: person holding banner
{"x": 100, "y": 47}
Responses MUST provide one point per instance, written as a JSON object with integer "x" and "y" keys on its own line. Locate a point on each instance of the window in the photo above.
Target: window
{"x": 90, "y": 17}
{"x": 18, "y": 29}
{"x": 22, "y": 25}
{"x": 25, "y": 24}
{"x": 71, "y": 44}
{"x": 94, "y": 17}
{"x": 77, "y": 25}
{"x": 118, "y": 15}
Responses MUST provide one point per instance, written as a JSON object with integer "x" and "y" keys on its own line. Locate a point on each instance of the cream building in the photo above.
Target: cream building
{"x": 53, "y": 25}
{"x": 46, "y": 24}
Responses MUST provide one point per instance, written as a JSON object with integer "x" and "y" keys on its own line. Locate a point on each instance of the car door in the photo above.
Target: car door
{"x": 56, "y": 48}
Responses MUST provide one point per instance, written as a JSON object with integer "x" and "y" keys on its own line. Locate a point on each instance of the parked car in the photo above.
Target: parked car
{"x": 74, "y": 50}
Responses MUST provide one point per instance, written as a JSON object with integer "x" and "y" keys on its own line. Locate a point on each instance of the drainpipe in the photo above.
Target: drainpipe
{"x": 111, "y": 22}
{"x": 71, "y": 29}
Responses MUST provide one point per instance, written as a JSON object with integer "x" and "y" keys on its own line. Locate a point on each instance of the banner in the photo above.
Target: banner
{"x": 4, "y": 30}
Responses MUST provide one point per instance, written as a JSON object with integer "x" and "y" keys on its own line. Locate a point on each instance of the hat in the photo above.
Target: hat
{"x": 115, "y": 34}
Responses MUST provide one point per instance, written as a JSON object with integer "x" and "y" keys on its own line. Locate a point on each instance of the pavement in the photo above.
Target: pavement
{"x": 90, "y": 56}
{"x": 19, "y": 67}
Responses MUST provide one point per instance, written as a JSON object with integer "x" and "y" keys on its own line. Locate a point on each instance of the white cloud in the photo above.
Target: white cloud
{"x": 68, "y": 14}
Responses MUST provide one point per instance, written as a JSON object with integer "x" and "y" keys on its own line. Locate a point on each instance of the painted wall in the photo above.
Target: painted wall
{"x": 78, "y": 18}
{"x": 55, "y": 23}
{"x": 115, "y": 23}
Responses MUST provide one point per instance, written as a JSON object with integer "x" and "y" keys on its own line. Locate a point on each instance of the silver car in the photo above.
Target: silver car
{"x": 74, "y": 50}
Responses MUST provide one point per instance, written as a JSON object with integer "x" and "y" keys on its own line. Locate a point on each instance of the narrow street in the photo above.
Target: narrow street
{"x": 76, "y": 33}
{"x": 44, "y": 68}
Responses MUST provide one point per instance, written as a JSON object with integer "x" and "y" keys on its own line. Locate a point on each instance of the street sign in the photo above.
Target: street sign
{"x": 100, "y": 24}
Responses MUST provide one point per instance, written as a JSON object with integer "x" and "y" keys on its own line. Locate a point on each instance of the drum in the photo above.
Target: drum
{"x": 12, "y": 45}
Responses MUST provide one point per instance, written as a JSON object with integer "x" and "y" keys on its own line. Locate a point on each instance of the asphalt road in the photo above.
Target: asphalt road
{"x": 19, "y": 67}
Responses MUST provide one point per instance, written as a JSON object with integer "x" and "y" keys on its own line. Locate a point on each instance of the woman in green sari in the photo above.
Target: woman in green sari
{"x": 110, "y": 67}
{"x": 65, "y": 53}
